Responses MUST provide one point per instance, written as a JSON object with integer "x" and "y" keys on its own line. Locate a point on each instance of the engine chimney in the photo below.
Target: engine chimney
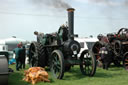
{"x": 71, "y": 22}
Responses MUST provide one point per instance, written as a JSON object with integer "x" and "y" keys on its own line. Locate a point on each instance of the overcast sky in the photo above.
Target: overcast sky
{"x": 21, "y": 18}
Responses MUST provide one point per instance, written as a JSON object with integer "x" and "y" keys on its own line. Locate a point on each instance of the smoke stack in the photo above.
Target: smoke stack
{"x": 71, "y": 22}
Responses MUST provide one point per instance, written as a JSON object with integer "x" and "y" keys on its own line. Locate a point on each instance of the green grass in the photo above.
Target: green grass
{"x": 113, "y": 76}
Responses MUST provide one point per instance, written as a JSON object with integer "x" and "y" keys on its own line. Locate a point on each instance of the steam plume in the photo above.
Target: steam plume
{"x": 52, "y": 3}
{"x": 111, "y": 2}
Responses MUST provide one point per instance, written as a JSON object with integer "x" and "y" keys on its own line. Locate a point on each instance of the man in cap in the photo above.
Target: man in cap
{"x": 17, "y": 56}
{"x": 39, "y": 35}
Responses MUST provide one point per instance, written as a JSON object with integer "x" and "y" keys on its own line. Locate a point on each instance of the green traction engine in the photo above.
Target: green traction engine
{"x": 59, "y": 51}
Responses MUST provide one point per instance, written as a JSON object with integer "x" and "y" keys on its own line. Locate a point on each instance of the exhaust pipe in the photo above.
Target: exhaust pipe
{"x": 71, "y": 22}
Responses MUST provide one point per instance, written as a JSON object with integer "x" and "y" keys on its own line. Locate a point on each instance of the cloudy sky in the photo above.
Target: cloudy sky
{"x": 92, "y": 17}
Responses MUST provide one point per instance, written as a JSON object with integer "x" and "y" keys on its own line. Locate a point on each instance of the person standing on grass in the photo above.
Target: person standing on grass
{"x": 17, "y": 56}
{"x": 23, "y": 57}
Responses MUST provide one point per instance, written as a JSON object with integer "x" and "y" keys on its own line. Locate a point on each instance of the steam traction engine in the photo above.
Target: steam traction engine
{"x": 112, "y": 48}
{"x": 59, "y": 51}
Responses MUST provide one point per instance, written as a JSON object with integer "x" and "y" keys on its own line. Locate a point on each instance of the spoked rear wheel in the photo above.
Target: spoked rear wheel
{"x": 57, "y": 64}
{"x": 125, "y": 61}
{"x": 96, "y": 48}
{"x": 88, "y": 63}
{"x": 33, "y": 54}
{"x": 42, "y": 61}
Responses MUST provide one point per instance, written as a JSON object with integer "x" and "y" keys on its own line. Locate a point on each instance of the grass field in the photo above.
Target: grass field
{"x": 113, "y": 76}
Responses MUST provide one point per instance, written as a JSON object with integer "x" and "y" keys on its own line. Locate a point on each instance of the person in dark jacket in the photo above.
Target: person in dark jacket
{"x": 17, "y": 56}
{"x": 106, "y": 57}
{"x": 23, "y": 57}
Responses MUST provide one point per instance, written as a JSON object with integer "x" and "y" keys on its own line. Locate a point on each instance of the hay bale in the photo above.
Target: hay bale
{"x": 36, "y": 74}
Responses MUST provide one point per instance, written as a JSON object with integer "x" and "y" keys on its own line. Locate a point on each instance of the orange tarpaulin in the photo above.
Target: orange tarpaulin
{"x": 36, "y": 74}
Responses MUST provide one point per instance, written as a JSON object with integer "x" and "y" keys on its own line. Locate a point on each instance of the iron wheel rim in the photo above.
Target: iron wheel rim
{"x": 126, "y": 62}
{"x": 33, "y": 56}
{"x": 88, "y": 64}
{"x": 57, "y": 64}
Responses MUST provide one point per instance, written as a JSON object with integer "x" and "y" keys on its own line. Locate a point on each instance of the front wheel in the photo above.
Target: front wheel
{"x": 57, "y": 64}
{"x": 88, "y": 63}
